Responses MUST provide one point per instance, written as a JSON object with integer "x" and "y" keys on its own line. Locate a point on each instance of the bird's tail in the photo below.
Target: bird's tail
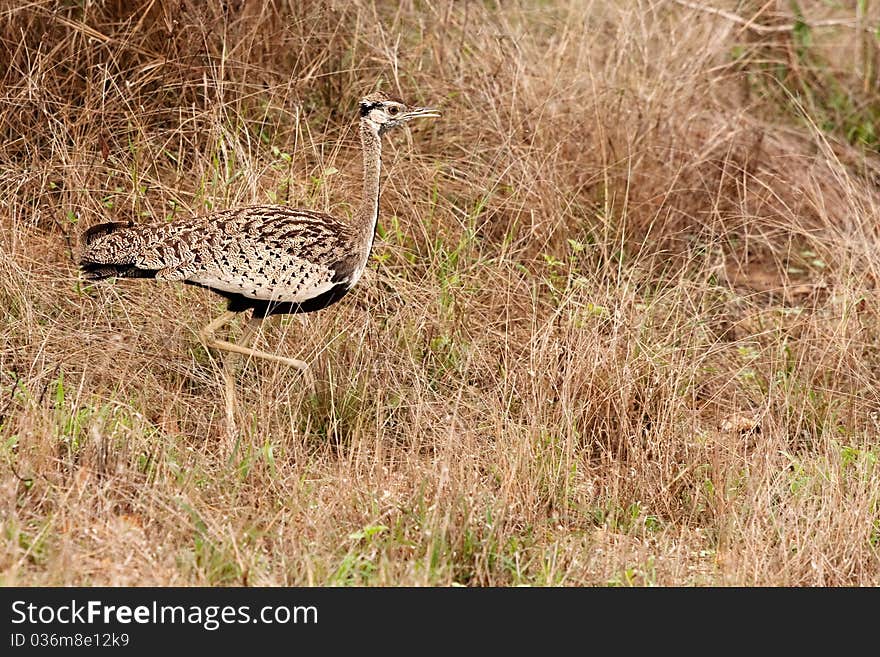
{"x": 111, "y": 249}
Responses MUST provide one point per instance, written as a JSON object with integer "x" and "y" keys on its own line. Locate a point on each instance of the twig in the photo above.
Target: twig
{"x": 16, "y": 382}
{"x": 750, "y": 24}
{"x": 27, "y": 481}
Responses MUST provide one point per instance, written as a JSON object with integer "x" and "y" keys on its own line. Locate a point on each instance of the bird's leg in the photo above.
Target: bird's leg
{"x": 210, "y": 340}
{"x": 249, "y": 334}
{"x": 229, "y": 386}
{"x": 207, "y": 335}
{"x": 251, "y": 330}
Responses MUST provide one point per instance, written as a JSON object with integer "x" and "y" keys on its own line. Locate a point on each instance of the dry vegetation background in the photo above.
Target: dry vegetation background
{"x": 622, "y": 325}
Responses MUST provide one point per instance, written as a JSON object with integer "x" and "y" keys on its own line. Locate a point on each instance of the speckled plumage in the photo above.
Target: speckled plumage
{"x": 270, "y": 258}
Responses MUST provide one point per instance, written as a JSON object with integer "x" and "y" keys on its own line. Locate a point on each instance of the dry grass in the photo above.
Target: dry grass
{"x": 621, "y": 326}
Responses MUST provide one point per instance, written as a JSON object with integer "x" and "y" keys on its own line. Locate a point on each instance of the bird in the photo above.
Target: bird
{"x": 269, "y": 259}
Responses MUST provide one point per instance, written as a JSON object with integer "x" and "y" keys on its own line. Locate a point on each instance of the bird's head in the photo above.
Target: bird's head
{"x": 384, "y": 112}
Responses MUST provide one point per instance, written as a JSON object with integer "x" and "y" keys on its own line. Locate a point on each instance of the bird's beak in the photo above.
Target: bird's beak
{"x": 422, "y": 113}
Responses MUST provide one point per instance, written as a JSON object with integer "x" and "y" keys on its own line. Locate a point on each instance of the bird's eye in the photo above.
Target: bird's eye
{"x": 393, "y": 110}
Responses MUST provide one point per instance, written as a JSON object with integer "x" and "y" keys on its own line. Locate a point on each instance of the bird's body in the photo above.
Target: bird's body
{"x": 271, "y": 258}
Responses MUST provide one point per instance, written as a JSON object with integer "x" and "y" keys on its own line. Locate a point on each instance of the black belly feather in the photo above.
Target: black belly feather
{"x": 238, "y": 303}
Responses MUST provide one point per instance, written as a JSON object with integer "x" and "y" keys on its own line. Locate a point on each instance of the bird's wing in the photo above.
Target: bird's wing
{"x": 263, "y": 252}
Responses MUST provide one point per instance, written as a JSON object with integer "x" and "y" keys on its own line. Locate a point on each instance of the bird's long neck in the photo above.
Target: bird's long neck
{"x": 367, "y": 215}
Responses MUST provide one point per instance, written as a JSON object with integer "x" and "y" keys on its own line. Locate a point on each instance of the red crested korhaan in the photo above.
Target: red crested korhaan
{"x": 270, "y": 259}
